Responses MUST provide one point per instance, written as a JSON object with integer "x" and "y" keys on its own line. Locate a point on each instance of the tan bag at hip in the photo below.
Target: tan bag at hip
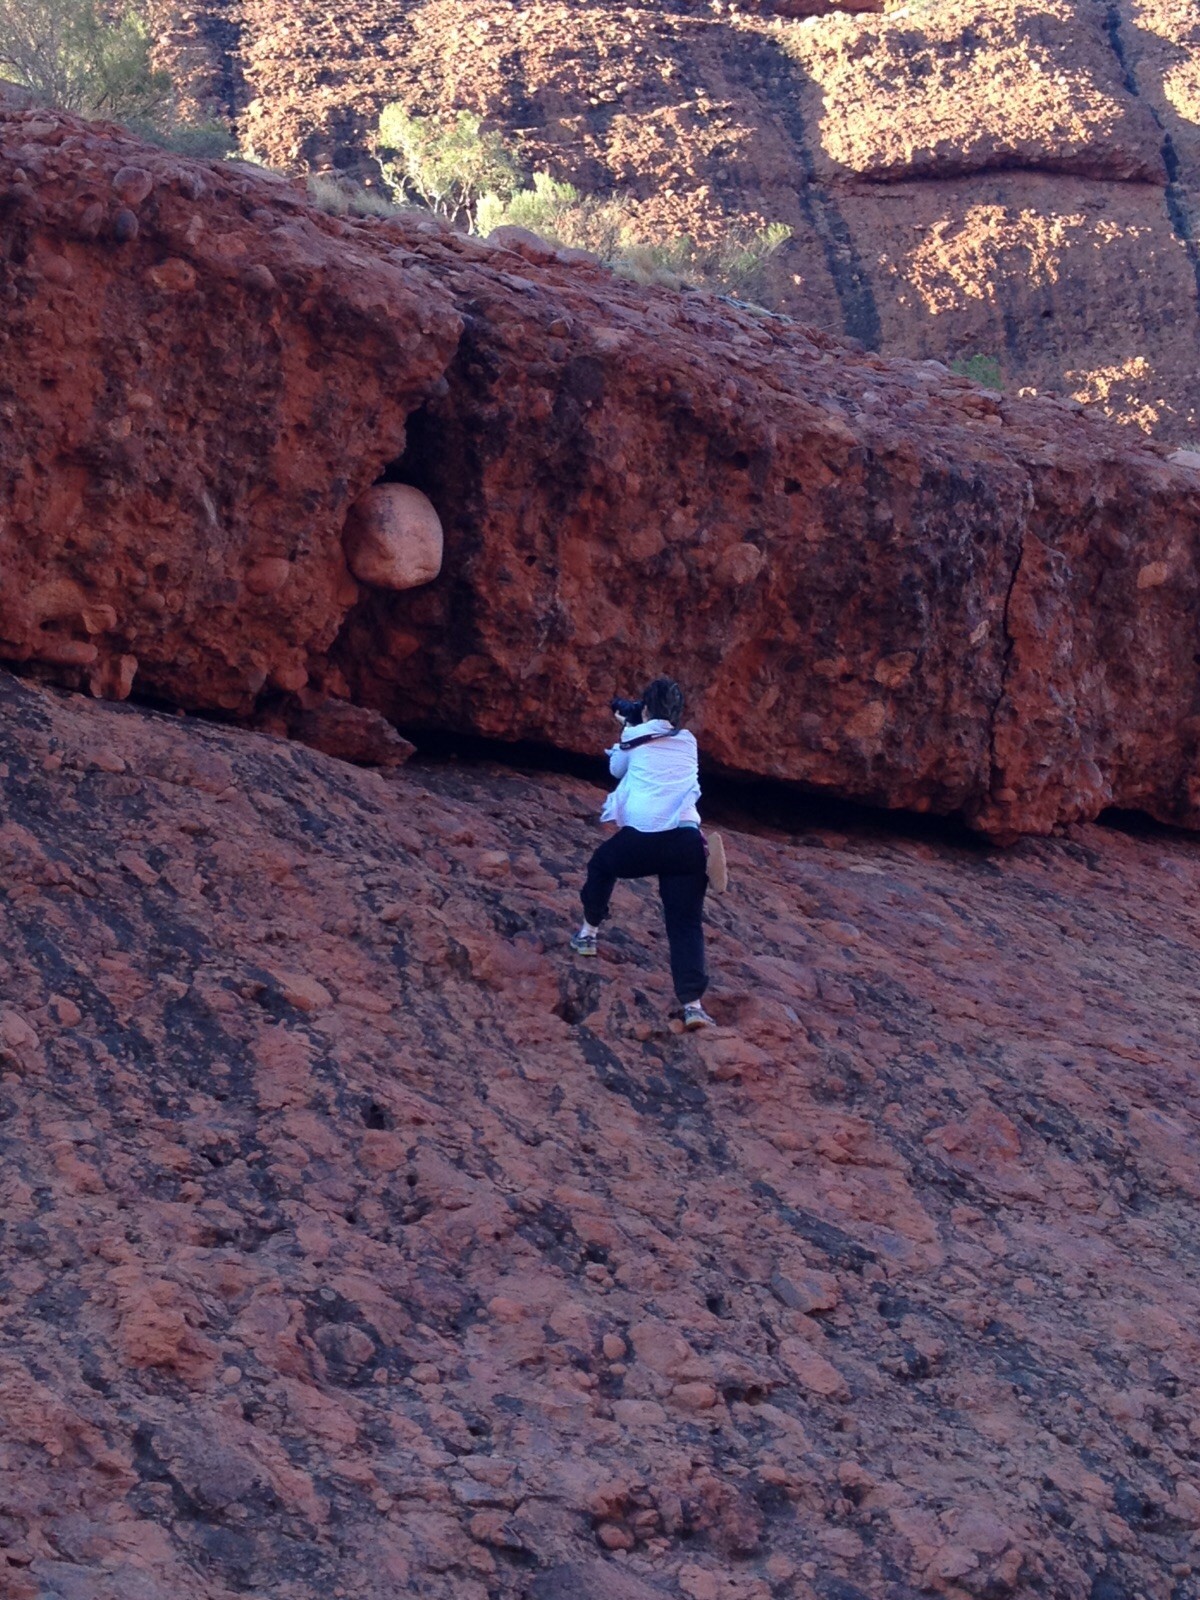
{"x": 718, "y": 867}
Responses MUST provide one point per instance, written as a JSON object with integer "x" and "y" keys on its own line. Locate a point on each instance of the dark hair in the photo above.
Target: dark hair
{"x": 663, "y": 699}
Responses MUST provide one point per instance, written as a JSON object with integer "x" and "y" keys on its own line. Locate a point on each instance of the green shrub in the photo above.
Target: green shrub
{"x": 447, "y": 166}
{"x": 980, "y": 369}
{"x": 454, "y": 168}
{"x": 70, "y": 53}
{"x": 559, "y": 213}
{"x": 85, "y": 57}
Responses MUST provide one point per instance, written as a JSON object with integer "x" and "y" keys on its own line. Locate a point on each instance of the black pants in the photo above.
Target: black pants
{"x": 677, "y": 857}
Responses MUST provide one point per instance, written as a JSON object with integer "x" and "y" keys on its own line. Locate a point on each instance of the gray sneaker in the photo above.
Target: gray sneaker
{"x": 583, "y": 944}
{"x": 695, "y": 1016}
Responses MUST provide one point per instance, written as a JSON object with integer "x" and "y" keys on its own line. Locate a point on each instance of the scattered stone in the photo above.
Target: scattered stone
{"x": 91, "y": 220}
{"x": 394, "y": 538}
{"x": 494, "y": 1528}
{"x": 695, "y": 1396}
{"x": 268, "y": 574}
{"x": 812, "y": 1371}
{"x": 132, "y": 184}
{"x": 173, "y": 276}
{"x": 301, "y": 991}
{"x": 113, "y": 678}
{"x": 351, "y": 733}
{"x": 260, "y": 278}
{"x": 806, "y": 1290}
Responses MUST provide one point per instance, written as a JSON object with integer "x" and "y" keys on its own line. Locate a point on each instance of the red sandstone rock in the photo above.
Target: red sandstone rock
{"x": 349, "y": 732}
{"x": 1028, "y": 213}
{"x": 873, "y": 578}
{"x": 1037, "y": 87}
{"x": 839, "y": 557}
{"x": 190, "y": 408}
{"x": 354, "y": 1239}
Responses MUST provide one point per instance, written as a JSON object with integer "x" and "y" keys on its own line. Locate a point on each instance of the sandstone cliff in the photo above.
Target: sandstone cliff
{"x": 963, "y": 177}
{"x": 875, "y": 578}
{"x": 355, "y": 1243}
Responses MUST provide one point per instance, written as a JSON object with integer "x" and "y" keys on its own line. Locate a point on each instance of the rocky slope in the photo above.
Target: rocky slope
{"x": 1003, "y": 178}
{"x": 874, "y": 578}
{"x": 356, "y": 1243}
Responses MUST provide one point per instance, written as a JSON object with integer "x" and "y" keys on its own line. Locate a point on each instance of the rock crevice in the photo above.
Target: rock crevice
{"x": 996, "y": 784}
{"x": 1175, "y": 196}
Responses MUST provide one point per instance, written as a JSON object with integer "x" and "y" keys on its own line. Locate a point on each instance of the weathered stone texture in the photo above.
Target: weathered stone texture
{"x": 1040, "y": 159}
{"x": 874, "y": 578}
{"x": 189, "y": 410}
{"x": 354, "y": 1240}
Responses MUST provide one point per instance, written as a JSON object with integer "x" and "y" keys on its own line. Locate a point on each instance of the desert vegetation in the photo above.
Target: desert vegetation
{"x": 95, "y": 60}
{"x": 341, "y": 198}
{"x": 461, "y": 171}
{"x": 981, "y": 369}
{"x": 449, "y": 166}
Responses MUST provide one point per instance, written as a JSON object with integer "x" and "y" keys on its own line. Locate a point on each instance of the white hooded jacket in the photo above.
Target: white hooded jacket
{"x": 659, "y": 780}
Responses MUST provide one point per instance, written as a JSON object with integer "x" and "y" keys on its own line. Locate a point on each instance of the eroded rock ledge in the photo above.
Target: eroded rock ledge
{"x": 875, "y": 578}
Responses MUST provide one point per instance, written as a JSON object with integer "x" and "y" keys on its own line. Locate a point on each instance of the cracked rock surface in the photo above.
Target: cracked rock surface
{"x": 354, "y": 1242}
{"x": 932, "y": 597}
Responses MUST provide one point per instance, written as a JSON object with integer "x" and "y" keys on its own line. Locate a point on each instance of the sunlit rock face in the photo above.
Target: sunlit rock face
{"x": 1012, "y": 180}
{"x": 873, "y": 577}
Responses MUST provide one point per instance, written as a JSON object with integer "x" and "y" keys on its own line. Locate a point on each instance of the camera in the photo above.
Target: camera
{"x": 631, "y": 710}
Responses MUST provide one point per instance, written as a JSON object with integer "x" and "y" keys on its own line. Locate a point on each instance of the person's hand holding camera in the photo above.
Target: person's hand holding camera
{"x": 626, "y": 711}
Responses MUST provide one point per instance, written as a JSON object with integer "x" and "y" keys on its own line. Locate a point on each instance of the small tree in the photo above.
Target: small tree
{"x": 70, "y": 54}
{"x": 446, "y": 166}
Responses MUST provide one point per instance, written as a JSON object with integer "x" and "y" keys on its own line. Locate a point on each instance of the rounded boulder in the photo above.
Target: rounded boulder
{"x": 394, "y": 538}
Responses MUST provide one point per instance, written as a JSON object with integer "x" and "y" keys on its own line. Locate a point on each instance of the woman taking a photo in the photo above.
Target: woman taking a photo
{"x": 654, "y": 806}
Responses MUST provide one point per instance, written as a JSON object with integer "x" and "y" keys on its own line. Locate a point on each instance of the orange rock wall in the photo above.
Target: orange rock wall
{"x": 873, "y": 578}
{"x": 1012, "y": 179}
{"x": 195, "y": 384}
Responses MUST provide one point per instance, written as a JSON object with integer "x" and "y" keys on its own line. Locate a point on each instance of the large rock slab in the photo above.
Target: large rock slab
{"x": 874, "y": 578}
{"x": 868, "y": 575}
{"x": 353, "y": 1240}
{"x": 196, "y": 382}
